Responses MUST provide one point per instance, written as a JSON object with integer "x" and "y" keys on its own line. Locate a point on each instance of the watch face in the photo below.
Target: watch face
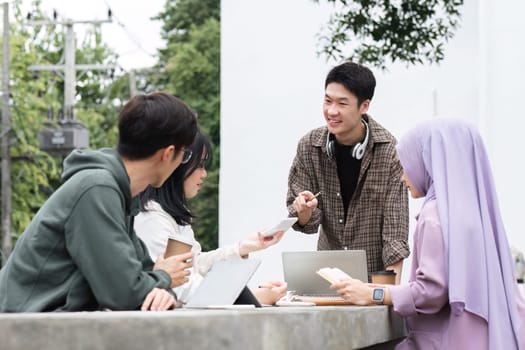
{"x": 379, "y": 295}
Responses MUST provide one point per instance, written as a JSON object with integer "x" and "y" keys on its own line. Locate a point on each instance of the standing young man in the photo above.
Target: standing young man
{"x": 352, "y": 161}
{"x": 80, "y": 251}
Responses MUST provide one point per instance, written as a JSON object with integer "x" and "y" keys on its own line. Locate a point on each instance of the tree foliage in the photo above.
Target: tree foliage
{"x": 190, "y": 66}
{"x": 35, "y": 173}
{"x": 31, "y": 95}
{"x": 382, "y": 31}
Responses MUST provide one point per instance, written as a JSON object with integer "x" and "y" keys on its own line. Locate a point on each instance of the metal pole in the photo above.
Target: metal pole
{"x": 69, "y": 73}
{"x": 69, "y": 68}
{"x": 7, "y": 239}
{"x": 132, "y": 83}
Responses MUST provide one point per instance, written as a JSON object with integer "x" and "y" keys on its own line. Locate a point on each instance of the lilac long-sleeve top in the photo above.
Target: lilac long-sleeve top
{"x": 424, "y": 300}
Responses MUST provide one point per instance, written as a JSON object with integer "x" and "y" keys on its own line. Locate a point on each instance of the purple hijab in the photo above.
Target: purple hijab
{"x": 445, "y": 159}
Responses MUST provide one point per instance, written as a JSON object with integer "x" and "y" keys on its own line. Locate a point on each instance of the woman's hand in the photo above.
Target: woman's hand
{"x": 177, "y": 266}
{"x": 270, "y": 292}
{"x": 258, "y": 242}
{"x": 158, "y": 300}
{"x": 354, "y": 291}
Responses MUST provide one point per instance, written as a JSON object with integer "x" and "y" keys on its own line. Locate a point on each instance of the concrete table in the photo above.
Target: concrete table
{"x": 321, "y": 327}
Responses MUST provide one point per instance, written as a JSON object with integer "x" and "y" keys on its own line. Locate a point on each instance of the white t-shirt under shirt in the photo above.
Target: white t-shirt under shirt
{"x": 155, "y": 226}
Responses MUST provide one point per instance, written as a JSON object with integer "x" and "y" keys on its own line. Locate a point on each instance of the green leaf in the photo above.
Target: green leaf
{"x": 378, "y": 32}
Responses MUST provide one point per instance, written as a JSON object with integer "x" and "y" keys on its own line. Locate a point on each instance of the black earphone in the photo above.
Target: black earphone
{"x": 358, "y": 150}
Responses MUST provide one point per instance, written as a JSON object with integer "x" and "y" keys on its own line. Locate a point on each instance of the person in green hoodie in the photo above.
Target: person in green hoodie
{"x": 80, "y": 251}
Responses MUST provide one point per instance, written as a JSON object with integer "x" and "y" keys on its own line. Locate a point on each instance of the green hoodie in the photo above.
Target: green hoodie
{"x": 80, "y": 251}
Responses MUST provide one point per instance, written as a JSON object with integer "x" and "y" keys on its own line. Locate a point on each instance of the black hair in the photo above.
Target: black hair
{"x": 356, "y": 78}
{"x": 149, "y": 122}
{"x": 170, "y": 195}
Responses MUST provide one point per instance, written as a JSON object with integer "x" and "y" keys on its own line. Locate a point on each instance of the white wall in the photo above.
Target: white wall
{"x": 272, "y": 91}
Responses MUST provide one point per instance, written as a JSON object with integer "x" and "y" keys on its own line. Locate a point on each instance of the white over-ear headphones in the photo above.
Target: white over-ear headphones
{"x": 358, "y": 150}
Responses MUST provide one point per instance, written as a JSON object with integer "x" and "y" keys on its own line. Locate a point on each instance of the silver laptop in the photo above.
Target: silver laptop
{"x": 225, "y": 285}
{"x": 300, "y": 269}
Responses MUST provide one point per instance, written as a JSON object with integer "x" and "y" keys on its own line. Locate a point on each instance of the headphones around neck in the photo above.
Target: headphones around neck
{"x": 358, "y": 150}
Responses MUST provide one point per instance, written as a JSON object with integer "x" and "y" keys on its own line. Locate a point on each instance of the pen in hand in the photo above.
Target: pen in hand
{"x": 293, "y": 211}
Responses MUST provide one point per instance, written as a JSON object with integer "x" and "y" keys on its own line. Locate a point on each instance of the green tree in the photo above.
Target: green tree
{"x": 35, "y": 174}
{"x": 189, "y": 67}
{"x": 382, "y": 31}
{"x": 32, "y": 169}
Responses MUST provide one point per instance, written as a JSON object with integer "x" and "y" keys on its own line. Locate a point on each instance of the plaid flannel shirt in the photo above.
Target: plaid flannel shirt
{"x": 377, "y": 218}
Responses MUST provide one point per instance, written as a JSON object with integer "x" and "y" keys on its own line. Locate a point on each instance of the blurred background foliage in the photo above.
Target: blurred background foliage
{"x": 187, "y": 67}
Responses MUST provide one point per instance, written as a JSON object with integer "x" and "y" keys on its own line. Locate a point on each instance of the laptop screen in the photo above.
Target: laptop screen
{"x": 300, "y": 269}
{"x": 224, "y": 283}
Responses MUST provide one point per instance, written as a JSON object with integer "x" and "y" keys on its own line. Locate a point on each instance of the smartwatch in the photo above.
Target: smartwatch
{"x": 378, "y": 295}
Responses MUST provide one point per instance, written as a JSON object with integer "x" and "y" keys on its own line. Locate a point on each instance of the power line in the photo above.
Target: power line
{"x": 127, "y": 32}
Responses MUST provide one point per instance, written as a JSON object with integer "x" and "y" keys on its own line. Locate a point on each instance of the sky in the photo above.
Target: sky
{"x": 132, "y": 34}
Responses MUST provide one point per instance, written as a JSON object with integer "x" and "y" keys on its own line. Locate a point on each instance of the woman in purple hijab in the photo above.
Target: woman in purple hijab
{"x": 462, "y": 292}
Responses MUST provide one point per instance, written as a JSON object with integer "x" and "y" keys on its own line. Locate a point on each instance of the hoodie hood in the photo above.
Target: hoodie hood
{"x": 105, "y": 158}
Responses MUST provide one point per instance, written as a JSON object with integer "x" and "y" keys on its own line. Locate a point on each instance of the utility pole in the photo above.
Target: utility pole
{"x": 132, "y": 83}
{"x": 69, "y": 67}
{"x": 7, "y": 239}
{"x": 71, "y": 133}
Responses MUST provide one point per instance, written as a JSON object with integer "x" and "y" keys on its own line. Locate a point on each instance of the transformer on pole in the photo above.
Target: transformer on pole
{"x": 59, "y": 136}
